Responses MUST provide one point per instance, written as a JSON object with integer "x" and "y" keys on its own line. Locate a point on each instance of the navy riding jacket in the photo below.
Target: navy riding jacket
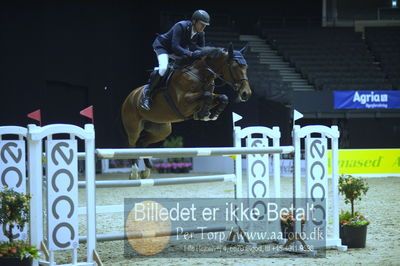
{"x": 178, "y": 40}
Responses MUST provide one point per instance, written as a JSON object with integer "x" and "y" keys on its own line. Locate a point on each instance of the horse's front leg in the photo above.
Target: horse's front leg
{"x": 204, "y": 112}
{"x": 206, "y": 100}
{"x": 220, "y": 102}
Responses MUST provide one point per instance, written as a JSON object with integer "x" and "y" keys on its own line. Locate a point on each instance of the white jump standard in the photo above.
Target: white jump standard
{"x": 62, "y": 177}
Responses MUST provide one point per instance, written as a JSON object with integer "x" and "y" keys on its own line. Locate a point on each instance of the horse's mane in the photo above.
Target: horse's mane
{"x": 211, "y": 52}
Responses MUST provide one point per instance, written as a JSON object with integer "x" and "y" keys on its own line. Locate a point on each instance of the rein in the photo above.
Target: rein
{"x": 168, "y": 97}
{"x": 205, "y": 83}
{"x": 236, "y": 82}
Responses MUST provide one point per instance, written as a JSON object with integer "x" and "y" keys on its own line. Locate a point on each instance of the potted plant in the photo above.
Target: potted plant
{"x": 288, "y": 223}
{"x": 174, "y": 165}
{"x": 173, "y": 142}
{"x": 181, "y": 167}
{"x": 14, "y": 212}
{"x": 353, "y": 225}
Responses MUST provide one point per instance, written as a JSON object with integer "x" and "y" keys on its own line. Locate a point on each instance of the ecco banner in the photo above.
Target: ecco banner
{"x": 366, "y": 99}
{"x": 13, "y": 175}
{"x": 62, "y": 194}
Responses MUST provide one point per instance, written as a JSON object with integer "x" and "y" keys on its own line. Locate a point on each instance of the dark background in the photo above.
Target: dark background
{"x": 62, "y": 56}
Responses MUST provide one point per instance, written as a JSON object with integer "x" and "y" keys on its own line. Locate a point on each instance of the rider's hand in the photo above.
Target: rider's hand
{"x": 196, "y": 54}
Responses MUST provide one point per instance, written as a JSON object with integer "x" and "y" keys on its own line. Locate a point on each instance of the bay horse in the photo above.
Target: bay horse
{"x": 189, "y": 95}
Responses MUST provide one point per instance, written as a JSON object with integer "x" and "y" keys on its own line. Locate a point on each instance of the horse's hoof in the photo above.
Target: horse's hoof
{"x": 145, "y": 174}
{"x": 208, "y": 118}
{"x": 202, "y": 116}
{"x": 213, "y": 118}
{"x": 134, "y": 175}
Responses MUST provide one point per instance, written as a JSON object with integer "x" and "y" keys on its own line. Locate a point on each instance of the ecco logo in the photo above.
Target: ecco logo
{"x": 61, "y": 186}
{"x": 12, "y": 170}
{"x": 316, "y": 172}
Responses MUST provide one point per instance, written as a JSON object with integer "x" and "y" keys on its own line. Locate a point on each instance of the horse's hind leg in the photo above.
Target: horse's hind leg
{"x": 148, "y": 163}
{"x": 134, "y": 174}
{"x": 133, "y": 127}
{"x": 147, "y": 171}
{"x": 133, "y": 137}
{"x": 152, "y": 133}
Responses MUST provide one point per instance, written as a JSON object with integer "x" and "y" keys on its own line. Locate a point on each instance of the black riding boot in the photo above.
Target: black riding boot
{"x": 148, "y": 90}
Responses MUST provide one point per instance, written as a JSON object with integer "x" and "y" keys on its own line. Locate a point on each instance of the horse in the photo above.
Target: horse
{"x": 189, "y": 94}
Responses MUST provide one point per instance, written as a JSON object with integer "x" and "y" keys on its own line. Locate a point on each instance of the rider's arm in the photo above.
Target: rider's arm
{"x": 176, "y": 41}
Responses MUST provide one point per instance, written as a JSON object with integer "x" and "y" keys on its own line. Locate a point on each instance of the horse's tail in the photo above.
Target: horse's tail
{"x": 127, "y": 107}
{"x": 122, "y": 126}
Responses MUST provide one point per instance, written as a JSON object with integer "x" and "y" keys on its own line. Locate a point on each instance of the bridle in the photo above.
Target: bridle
{"x": 236, "y": 84}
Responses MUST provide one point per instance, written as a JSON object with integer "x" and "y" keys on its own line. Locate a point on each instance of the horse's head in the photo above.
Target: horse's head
{"x": 231, "y": 67}
{"x": 235, "y": 73}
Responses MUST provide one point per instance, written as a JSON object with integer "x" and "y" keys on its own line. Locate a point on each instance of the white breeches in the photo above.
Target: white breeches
{"x": 162, "y": 63}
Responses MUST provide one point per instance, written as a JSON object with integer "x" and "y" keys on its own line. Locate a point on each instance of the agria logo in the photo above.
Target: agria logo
{"x": 371, "y": 99}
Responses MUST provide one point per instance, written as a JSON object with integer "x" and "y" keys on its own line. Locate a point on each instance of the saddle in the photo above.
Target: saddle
{"x": 176, "y": 63}
{"x": 164, "y": 81}
{"x": 162, "y": 86}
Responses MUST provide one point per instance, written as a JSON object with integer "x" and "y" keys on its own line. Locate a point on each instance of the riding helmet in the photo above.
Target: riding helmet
{"x": 201, "y": 15}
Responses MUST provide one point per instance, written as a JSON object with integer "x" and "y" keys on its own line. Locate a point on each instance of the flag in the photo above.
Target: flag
{"x": 36, "y": 115}
{"x": 297, "y": 115}
{"x": 236, "y": 117}
{"x": 88, "y": 112}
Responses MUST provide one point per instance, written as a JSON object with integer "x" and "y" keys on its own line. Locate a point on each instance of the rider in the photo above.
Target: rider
{"x": 183, "y": 39}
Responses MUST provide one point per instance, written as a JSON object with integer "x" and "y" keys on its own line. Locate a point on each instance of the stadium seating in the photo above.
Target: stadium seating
{"x": 334, "y": 58}
{"x": 265, "y": 82}
{"x": 384, "y": 43}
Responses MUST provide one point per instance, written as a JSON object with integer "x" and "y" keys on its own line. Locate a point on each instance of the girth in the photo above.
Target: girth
{"x": 167, "y": 95}
{"x": 166, "y": 81}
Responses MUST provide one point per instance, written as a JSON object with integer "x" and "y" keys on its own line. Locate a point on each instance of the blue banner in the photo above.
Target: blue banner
{"x": 366, "y": 99}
